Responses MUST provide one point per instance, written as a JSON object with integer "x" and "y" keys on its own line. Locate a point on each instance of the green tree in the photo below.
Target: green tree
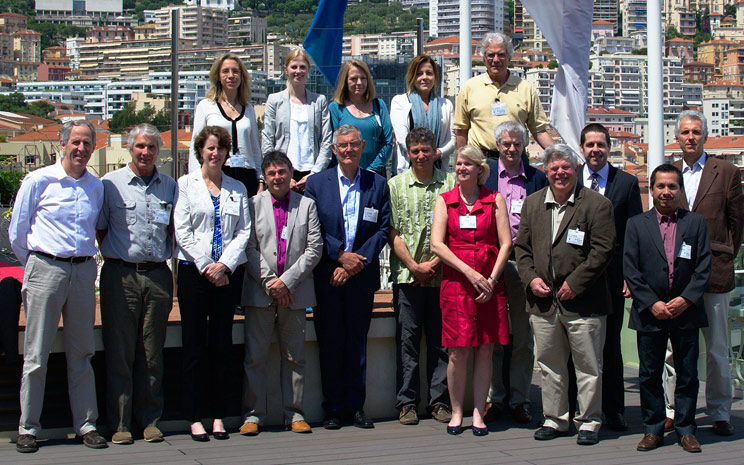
{"x": 162, "y": 120}
{"x": 552, "y": 64}
{"x": 10, "y": 181}
{"x": 40, "y": 108}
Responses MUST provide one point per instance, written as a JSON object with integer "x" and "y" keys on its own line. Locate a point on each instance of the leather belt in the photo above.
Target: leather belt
{"x": 63, "y": 259}
{"x": 142, "y": 266}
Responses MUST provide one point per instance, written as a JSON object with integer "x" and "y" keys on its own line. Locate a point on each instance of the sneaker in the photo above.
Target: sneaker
{"x": 441, "y": 413}
{"x": 408, "y": 415}
{"x": 26, "y": 443}
{"x": 152, "y": 434}
{"x": 93, "y": 440}
{"x": 122, "y": 437}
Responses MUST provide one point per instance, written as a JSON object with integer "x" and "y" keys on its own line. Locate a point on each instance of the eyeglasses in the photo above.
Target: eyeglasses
{"x": 345, "y": 145}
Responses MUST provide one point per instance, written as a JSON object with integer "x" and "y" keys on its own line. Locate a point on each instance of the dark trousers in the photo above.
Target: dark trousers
{"x": 418, "y": 313}
{"x": 342, "y": 320}
{"x": 206, "y": 324}
{"x": 245, "y": 175}
{"x": 613, "y": 383}
{"x": 651, "y": 353}
{"x": 134, "y": 312}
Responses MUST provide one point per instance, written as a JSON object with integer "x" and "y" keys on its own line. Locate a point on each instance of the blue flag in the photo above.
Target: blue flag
{"x": 325, "y": 38}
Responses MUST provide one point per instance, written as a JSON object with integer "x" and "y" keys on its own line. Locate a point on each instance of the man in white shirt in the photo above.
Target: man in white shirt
{"x": 52, "y": 232}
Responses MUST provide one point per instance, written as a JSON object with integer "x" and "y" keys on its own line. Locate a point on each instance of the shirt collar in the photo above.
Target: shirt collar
{"x": 511, "y": 81}
{"x": 131, "y": 175}
{"x": 671, "y": 218}
{"x": 549, "y": 199}
{"x": 60, "y": 173}
{"x": 283, "y": 203}
{"x": 437, "y": 178}
{"x": 603, "y": 172}
{"x": 505, "y": 174}
{"x": 698, "y": 165}
{"x": 343, "y": 178}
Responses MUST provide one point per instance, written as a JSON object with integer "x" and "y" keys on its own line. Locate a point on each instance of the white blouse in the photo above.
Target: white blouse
{"x": 299, "y": 152}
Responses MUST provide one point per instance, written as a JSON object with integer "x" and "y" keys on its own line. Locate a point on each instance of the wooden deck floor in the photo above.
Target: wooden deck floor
{"x": 392, "y": 443}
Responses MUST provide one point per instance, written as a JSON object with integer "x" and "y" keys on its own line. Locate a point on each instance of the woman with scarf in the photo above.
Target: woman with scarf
{"x": 421, "y": 106}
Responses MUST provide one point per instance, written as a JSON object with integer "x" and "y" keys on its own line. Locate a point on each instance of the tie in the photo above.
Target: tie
{"x": 595, "y": 184}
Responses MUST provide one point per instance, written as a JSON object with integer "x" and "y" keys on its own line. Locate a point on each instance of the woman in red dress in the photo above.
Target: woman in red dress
{"x": 471, "y": 236}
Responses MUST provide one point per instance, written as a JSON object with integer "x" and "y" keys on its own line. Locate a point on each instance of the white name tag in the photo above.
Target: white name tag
{"x": 370, "y": 214}
{"x": 575, "y": 237}
{"x": 232, "y": 207}
{"x": 516, "y": 206}
{"x": 163, "y": 214}
{"x": 284, "y": 233}
{"x": 237, "y": 161}
{"x": 498, "y": 109}
{"x": 685, "y": 251}
{"x": 467, "y": 222}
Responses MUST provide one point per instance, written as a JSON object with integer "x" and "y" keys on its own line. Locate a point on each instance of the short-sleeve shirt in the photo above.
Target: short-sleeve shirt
{"x": 474, "y": 110}
{"x": 411, "y": 214}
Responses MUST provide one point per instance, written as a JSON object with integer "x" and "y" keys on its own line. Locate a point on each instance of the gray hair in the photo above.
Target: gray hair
{"x": 560, "y": 151}
{"x": 344, "y": 130}
{"x": 147, "y": 130}
{"x": 64, "y": 133}
{"x": 498, "y": 38}
{"x": 510, "y": 127}
{"x": 692, "y": 114}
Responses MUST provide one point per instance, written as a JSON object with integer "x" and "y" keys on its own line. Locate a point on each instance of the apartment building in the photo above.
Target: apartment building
{"x": 485, "y": 16}
{"x": 733, "y": 65}
{"x": 602, "y": 28}
{"x": 84, "y": 13}
{"x": 613, "y": 45}
{"x": 679, "y": 48}
{"x": 713, "y": 52}
{"x": 684, "y": 21}
{"x": 606, "y": 10}
{"x": 12, "y": 22}
{"x": 206, "y": 27}
{"x": 242, "y": 30}
{"x": 72, "y": 46}
{"x": 27, "y": 46}
{"x": 144, "y": 31}
{"x": 634, "y": 17}
{"x": 222, "y": 4}
{"x": 381, "y": 46}
{"x": 613, "y": 119}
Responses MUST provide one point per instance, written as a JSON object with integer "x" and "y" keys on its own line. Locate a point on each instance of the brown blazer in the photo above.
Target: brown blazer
{"x": 719, "y": 199}
{"x": 582, "y": 267}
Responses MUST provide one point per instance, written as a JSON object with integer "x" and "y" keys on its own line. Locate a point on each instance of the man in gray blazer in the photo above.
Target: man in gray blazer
{"x": 283, "y": 249}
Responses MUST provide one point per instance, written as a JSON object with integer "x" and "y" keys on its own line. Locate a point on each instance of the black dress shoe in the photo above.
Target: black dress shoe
{"x": 361, "y": 420}
{"x": 587, "y": 438}
{"x": 93, "y": 440}
{"x": 454, "y": 430}
{"x": 203, "y": 437}
{"x": 723, "y": 428}
{"x": 480, "y": 431}
{"x": 26, "y": 443}
{"x": 332, "y": 422}
{"x": 546, "y": 433}
{"x": 221, "y": 435}
{"x": 616, "y": 422}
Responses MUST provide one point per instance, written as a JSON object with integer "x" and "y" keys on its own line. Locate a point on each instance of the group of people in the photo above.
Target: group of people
{"x": 499, "y": 254}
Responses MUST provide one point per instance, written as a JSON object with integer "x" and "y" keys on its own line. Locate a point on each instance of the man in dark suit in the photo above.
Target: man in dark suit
{"x": 565, "y": 242}
{"x": 516, "y": 180}
{"x": 354, "y": 212}
{"x": 667, "y": 263}
{"x": 713, "y": 189}
{"x": 623, "y": 191}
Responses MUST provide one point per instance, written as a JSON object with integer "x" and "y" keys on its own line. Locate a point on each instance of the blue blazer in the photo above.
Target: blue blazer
{"x": 646, "y": 272}
{"x": 370, "y": 237}
{"x": 536, "y": 179}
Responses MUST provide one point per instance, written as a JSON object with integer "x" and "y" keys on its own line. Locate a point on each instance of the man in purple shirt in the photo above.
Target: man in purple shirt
{"x": 283, "y": 249}
{"x": 515, "y": 180}
{"x": 667, "y": 306}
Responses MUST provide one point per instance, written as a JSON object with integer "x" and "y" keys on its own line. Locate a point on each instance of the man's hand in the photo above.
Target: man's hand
{"x": 215, "y": 272}
{"x": 626, "y": 291}
{"x": 539, "y": 288}
{"x": 340, "y": 276}
{"x": 660, "y": 311}
{"x": 277, "y": 288}
{"x": 565, "y": 292}
{"x": 286, "y": 300}
{"x": 677, "y": 306}
{"x": 351, "y": 262}
{"x": 424, "y": 272}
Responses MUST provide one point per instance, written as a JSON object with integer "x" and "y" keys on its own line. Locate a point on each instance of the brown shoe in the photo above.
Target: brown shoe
{"x": 408, "y": 415}
{"x": 249, "y": 429}
{"x": 689, "y": 443}
{"x": 650, "y": 442}
{"x": 441, "y": 413}
{"x": 669, "y": 425}
{"x": 299, "y": 426}
{"x": 723, "y": 428}
{"x": 521, "y": 414}
{"x": 493, "y": 411}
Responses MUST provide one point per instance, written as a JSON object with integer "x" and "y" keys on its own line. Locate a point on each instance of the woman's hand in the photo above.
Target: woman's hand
{"x": 482, "y": 285}
{"x": 216, "y": 273}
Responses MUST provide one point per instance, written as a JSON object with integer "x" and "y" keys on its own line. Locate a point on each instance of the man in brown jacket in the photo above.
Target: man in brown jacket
{"x": 713, "y": 189}
{"x": 565, "y": 242}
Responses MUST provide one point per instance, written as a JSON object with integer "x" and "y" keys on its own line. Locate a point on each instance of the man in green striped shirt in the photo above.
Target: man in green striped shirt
{"x": 416, "y": 276}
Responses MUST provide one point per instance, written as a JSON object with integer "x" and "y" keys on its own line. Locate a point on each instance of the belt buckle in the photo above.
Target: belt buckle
{"x": 137, "y": 267}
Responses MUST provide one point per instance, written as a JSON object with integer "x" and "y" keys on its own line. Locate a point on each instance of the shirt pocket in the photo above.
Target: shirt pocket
{"x": 126, "y": 212}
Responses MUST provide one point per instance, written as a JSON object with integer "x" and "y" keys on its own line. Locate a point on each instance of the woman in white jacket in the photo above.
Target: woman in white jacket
{"x": 421, "y": 106}
{"x": 212, "y": 226}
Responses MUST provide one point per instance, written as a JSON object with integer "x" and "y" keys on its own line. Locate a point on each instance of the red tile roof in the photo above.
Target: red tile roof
{"x": 607, "y": 111}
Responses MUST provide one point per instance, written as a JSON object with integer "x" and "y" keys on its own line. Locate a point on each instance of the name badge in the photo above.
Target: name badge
{"x": 498, "y": 109}
{"x": 685, "y": 251}
{"x": 370, "y": 214}
{"x": 467, "y": 222}
{"x": 163, "y": 214}
{"x": 575, "y": 237}
{"x": 284, "y": 233}
{"x": 232, "y": 207}
{"x": 237, "y": 161}
{"x": 516, "y": 206}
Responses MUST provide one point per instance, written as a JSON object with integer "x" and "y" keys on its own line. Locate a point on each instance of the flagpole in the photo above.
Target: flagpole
{"x": 466, "y": 43}
{"x": 655, "y": 102}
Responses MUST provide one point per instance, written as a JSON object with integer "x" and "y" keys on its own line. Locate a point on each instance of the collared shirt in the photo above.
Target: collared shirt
{"x": 411, "y": 214}
{"x": 474, "y": 110}
{"x": 281, "y": 212}
{"x": 56, "y": 214}
{"x": 602, "y": 176}
{"x": 557, "y": 210}
{"x": 137, "y": 216}
{"x": 691, "y": 177}
{"x": 350, "y": 197}
{"x": 668, "y": 229}
{"x": 513, "y": 188}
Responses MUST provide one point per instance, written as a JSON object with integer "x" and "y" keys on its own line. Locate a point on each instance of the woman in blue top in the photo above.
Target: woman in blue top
{"x": 354, "y": 103}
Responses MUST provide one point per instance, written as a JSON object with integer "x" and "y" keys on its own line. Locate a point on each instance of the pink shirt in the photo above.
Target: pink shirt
{"x": 513, "y": 188}
{"x": 668, "y": 228}
{"x": 281, "y": 211}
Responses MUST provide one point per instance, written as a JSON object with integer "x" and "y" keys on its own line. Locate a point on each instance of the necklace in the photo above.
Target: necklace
{"x": 229, "y": 105}
{"x": 469, "y": 204}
